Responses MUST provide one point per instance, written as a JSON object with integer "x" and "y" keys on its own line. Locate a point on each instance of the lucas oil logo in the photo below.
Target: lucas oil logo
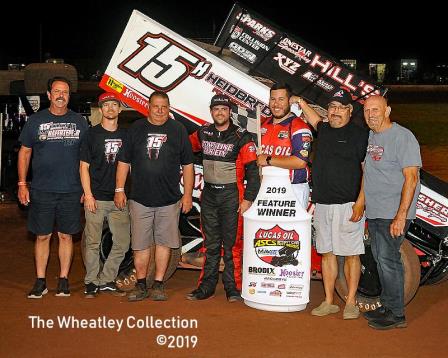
{"x": 277, "y": 247}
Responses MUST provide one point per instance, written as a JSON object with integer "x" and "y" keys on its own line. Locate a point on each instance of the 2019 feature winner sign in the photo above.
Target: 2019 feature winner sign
{"x": 277, "y": 250}
{"x": 269, "y": 51}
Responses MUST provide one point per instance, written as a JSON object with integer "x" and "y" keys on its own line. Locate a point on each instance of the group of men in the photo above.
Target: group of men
{"x": 353, "y": 170}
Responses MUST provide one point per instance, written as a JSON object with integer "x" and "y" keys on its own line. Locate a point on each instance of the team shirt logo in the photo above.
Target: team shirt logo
{"x": 375, "y": 151}
{"x": 58, "y": 132}
{"x": 154, "y": 143}
{"x": 111, "y": 148}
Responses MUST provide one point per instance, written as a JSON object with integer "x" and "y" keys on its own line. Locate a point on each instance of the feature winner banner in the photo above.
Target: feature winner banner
{"x": 279, "y": 56}
{"x": 151, "y": 57}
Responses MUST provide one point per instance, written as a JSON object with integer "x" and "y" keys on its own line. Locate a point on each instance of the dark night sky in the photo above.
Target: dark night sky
{"x": 90, "y": 30}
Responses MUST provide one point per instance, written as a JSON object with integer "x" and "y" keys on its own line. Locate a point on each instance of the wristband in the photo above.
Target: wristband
{"x": 22, "y": 183}
{"x": 268, "y": 160}
{"x": 119, "y": 190}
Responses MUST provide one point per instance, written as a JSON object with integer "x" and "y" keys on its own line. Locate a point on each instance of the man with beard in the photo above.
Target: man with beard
{"x": 229, "y": 157}
{"x": 99, "y": 150}
{"x": 338, "y": 217}
{"x": 391, "y": 188}
{"x": 53, "y": 136}
{"x": 156, "y": 147}
{"x": 286, "y": 141}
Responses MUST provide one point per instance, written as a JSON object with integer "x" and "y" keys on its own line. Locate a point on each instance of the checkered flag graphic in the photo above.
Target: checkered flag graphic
{"x": 247, "y": 119}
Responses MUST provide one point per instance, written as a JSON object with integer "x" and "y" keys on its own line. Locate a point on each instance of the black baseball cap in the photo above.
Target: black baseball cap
{"x": 220, "y": 100}
{"x": 341, "y": 96}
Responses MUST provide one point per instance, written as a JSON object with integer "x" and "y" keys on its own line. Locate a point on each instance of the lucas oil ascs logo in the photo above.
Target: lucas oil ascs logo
{"x": 277, "y": 247}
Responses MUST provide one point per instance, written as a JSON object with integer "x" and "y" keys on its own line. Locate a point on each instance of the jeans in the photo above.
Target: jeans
{"x": 386, "y": 252}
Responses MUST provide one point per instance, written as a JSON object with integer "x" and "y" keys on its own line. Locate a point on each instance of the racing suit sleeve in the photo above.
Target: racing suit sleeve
{"x": 301, "y": 138}
{"x": 248, "y": 158}
{"x": 195, "y": 141}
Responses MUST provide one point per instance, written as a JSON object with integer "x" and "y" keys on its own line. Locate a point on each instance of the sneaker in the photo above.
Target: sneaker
{"x": 351, "y": 312}
{"x": 112, "y": 288}
{"x": 91, "y": 290}
{"x": 388, "y": 321}
{"x": 375, "y": 314}
{"x": 325, "y": 309}
{"x": 157, "y": 292}
{"x": 139, "y": 293}
{"x": 233, "y": 296}
{"x": 39, "y": 289}
{"x": 199, "y": 295}
{"x": 63, "y": 289}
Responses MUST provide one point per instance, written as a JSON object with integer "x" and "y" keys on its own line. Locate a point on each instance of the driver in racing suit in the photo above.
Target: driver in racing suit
{"x": 229, "y": 157}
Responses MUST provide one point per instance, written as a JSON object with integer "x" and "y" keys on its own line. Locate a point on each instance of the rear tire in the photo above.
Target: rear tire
{"x": 369, "y": 287}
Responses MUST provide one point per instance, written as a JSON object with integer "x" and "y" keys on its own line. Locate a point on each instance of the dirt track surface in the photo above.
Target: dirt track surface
{"x": 223, "y": 329}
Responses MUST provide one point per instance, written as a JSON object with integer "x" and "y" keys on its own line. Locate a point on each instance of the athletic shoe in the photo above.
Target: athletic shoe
{"x": 325, "y": 309}
{"x": 112, "y": 288}
{"x": 39, "y": 289}
{"x": 388, "y": 321}
{"x": 199, "y": 295}
{"x": 375, "y": 314}
{"x": 351, "y": 312}
{"x": 63, "y": 289}
{"x": 157, "y": 292}
{"x": 139, "y": 293}
{"x": 91, "y": 290}
{"x": 233, "y": 296}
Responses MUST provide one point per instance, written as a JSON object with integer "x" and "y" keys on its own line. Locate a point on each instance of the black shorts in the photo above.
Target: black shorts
{"x": 45, "y": 207}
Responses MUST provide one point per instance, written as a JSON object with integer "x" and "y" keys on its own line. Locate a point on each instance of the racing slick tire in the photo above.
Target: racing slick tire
{"x": 369, "y": 287}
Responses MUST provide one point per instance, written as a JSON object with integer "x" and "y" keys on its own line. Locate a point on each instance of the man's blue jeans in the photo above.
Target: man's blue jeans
{"x": 386, "y": 252}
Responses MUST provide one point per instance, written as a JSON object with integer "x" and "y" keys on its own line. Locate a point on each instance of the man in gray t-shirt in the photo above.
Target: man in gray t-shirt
{"x": 391, "y": 186}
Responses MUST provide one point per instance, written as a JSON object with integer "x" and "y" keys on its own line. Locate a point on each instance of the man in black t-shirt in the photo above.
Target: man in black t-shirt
{"x": 156, "y": 148}
{"x": 99, "y": 150}
{"x": 338, "y": 217}
{"x": 52, "y": 136}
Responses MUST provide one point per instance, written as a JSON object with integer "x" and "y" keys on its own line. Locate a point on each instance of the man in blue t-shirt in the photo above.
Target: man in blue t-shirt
{"x": 53, "y": 137}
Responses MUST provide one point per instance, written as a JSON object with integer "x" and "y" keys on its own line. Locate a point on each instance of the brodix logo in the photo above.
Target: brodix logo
{"x": 276, "y": 246}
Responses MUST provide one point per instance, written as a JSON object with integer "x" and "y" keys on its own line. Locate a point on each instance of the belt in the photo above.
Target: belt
{"x": 220, "y": 186}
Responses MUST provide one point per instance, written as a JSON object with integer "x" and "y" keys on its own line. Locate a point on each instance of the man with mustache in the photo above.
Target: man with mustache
{"x": 286, "y": 141}
{"x": 338, "y": 217}
{"x": 99, "y": 150}
{"x": 53, "y": 136}
{"x": 391, "y": 187}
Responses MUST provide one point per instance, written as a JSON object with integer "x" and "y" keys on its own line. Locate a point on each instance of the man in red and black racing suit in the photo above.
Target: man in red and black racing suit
{"x": 229, "y": 157}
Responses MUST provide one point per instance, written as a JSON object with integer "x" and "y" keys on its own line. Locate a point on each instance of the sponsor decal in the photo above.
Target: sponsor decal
{"x": 263, "y": 130}
{"x": 261, "y": 270}
{"x": 276, "y": 246}
{"x": 312, "y": 77}
{"x": 304, "y": 153}
{"x": 296, "y": 49}
{"x": 291, "y": 273}
{"x": 252, "y": 291}
{"x": 237, "y": 94}
{"x": 268, "y": 285}
{"x": 242, "y": 52}
{"x": 281, "y": 286}
{"x": 306, "y": 145}
{"x": 115, "y": 85}
{"x": 258, "y": 28}
{"x": 276, "y": 293}
{"x": 235, "y": 32}
{"x": 154, "y": 144}
{"x": 286, "y": 64}
{"x": 252, "y": 284}
{"x": 274, "y": 279}
{"x": 216, "y": 149}
{"x": 58, "y": 132}
{"x": 283, "y": 134}
{"x": 295, "y": 287}
{"x": 432, "y": 211}
{"x": 111, "y": 148}
{"x": 208, "y": 133}
{"x": 238, "y": 34}
{"x": 375, "y": 152}
{"x": 262, "y": 291}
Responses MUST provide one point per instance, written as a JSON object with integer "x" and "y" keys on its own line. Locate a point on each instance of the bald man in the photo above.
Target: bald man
{"x": 391, "y": 185}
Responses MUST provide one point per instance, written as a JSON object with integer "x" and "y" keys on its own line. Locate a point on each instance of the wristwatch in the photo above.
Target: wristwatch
{"x": 268, "y": 160}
